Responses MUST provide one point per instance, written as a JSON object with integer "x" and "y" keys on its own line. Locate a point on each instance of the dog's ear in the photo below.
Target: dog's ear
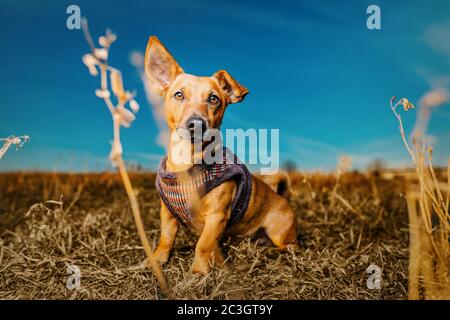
{"x": 234, "y": 91}
{"x": 160, "y": 66}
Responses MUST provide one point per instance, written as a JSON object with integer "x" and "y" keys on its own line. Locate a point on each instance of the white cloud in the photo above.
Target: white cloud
{"x": 437, "y": 36}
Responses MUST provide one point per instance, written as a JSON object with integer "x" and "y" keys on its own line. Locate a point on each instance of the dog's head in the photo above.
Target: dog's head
{"x": 190, "y": 102}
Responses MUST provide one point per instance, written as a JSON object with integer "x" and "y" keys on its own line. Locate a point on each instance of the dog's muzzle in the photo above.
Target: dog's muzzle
{"x": 196, "y": 127}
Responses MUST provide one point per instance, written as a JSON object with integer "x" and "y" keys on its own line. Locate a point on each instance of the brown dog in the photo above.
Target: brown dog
{"x": 206, "y": 98}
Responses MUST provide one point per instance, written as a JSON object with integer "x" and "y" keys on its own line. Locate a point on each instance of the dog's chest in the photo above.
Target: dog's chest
{"x": 180, "y": 190}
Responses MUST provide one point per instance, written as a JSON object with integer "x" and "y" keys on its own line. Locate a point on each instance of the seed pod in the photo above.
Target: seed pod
{"x": 117, "y": 84}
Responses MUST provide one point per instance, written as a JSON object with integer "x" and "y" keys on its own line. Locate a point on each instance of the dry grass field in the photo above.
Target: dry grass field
{"x": 50, "y": 221}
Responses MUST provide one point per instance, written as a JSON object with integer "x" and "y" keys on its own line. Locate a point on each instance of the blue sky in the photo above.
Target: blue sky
{"x": 313, "y": 69}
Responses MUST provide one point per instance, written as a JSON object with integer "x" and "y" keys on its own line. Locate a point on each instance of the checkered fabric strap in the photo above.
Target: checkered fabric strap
{"x": 176, "y": 189}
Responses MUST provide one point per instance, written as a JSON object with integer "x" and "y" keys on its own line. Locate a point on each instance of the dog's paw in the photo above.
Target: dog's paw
{"x": 161, "y": 256}
{"x": 200, "y": 266}
{"x": 217, "y": 257}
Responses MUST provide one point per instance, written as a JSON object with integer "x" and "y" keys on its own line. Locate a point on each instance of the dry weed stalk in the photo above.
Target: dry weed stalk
{"x": 311, "y": 195}
{"x": 12, "y": 140}
{"x": 98, "y": 58}
{"x": 429, "y": 219}
{"x": 344, "y": 164}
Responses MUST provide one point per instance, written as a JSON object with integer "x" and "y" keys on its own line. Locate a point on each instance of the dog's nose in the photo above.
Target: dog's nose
{"x": 196, "y": 123}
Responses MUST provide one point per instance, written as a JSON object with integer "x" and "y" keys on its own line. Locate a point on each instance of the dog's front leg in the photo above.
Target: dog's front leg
{"x": 207, "y": 245}
{"x": 169, "y": 229}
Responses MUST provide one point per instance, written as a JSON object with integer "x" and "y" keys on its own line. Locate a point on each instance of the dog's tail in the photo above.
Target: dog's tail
{"x": 279, "y": 182}
{"x": 283, "y": 186}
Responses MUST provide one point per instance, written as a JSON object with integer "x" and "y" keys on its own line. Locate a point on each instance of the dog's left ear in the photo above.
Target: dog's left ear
{"x": 234, "y": 91}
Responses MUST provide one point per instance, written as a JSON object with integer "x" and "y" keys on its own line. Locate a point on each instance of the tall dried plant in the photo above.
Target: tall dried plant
{"x": 429, "y": 219}
{"x": 12, "y": 141}
{"x": 95, "y": 61}
{"x": 344, "y": 164}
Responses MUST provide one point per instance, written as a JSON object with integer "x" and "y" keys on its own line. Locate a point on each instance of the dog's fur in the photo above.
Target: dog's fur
{"x": 266, "y": 210}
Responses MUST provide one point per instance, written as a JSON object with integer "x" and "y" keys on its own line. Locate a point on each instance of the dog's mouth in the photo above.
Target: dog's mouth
{"x": 197, "y": 136}
{"x": 193, "y": 136}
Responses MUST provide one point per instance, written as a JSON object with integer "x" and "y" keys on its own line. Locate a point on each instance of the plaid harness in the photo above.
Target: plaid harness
{"x": 176, "y": 189}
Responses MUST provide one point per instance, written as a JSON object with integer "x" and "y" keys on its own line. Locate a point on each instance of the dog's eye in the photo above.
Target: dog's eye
{"x": 179, "y": 95}
{"x": 214, "y": 100}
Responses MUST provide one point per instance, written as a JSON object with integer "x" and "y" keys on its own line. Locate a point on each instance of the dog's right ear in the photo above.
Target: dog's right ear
{"x": 160, "y": 66}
